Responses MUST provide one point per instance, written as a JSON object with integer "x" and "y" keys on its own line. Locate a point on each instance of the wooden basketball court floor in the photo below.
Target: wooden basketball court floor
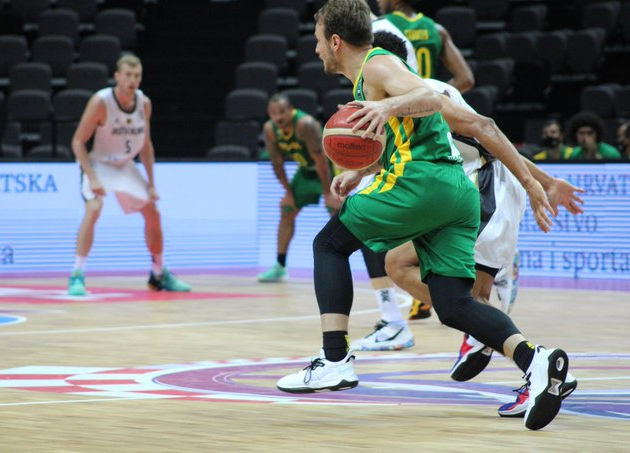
{"x": 129, "y": 370}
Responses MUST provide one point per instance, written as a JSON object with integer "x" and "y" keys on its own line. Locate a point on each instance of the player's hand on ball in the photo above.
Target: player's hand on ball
{"x": 345, "y": 183}
{"x": 374, "y": 114}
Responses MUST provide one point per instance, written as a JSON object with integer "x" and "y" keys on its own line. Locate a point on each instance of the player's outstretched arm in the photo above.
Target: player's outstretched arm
{"x": 559, "y": 191}
{"x": 485, "y": 130}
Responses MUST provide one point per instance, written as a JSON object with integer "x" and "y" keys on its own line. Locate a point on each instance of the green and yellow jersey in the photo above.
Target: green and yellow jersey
{"x": 425, "y": 38}
{"x": 290, "y": 145}
{"x": 411, "y": 139}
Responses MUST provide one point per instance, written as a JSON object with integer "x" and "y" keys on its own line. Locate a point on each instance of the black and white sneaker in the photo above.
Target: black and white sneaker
{"x": 473, "y": 358}
{"x": 385, "y": 337}
{"x": 546, "y": 376}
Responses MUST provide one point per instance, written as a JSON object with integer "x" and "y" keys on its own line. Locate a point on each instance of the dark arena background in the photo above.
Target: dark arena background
{"x": 129, "y": 369}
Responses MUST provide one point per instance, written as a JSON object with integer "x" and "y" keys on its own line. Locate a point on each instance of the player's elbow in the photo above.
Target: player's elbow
{"x": 466, "y": 82}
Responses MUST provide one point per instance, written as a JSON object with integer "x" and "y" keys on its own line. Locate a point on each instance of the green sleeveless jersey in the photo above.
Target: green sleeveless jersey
{"x": 290, "y": 145}
{"x": 424, "y": 37}
{"x": 411, "y": 139}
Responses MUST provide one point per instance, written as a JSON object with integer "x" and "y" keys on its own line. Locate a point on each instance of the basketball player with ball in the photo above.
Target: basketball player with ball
{"x": 420, "y": 194}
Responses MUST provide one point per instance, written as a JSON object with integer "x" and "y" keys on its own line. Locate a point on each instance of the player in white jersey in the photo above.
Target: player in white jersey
{"x": 118, "y": 118}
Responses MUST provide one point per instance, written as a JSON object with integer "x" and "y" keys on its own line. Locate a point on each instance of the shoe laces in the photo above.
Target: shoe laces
{"x": 523, "y": 389}
{"x": 379, "y": 325}
{"x": 315, "y": 363}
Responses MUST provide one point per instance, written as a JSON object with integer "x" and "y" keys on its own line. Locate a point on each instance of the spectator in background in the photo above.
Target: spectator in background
{"x": 587, "y": 130}
{"x": 623, "y": 140}
{"x": 553, "y": 144}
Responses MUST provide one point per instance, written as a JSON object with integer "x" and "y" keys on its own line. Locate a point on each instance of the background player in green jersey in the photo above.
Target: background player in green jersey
{"x": 431, "y": 41}
{"x": 293, "y": 134}
{"x": 421, "y": 177}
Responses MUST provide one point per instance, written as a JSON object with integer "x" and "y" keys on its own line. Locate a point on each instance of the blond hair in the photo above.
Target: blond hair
{"x": 128, "y": 59}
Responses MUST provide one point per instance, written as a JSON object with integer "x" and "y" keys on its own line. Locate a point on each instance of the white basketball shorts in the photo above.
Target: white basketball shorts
{"x": 497, "y": 242}
{"x": 126, "y": 182}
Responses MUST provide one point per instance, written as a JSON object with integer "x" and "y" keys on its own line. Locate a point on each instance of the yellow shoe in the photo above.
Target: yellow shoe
{"x": 419, "y": 310}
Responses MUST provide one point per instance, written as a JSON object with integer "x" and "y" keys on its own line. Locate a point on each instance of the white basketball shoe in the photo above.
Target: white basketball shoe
{"x": 321, "y": 375}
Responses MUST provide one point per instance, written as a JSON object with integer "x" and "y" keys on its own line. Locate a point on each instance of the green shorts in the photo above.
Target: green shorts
{"x": 433, "y": 204}
{"x": 306, "y": 187}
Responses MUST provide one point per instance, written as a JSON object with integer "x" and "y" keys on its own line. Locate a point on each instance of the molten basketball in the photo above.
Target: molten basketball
{"x": 346, "y": 148}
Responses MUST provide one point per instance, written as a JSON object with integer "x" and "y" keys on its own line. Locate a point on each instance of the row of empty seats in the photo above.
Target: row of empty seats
{"x": 35, "y": 119}
{"x": 58, "y": 53}
{"x": 118, "y": 22}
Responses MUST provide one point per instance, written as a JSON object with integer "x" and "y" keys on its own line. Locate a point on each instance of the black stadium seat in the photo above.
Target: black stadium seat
{"x": 461, "y": 22}
{"x": 242, "y": 133}
{"x": 118, "y": 22}
{"x": 269, "y": 48}
{"x": 552, "y": 49}
{"x": 482, "y": 99}
{"x": 280, "y": 21}
{"x": 259, "y": 75}
{"x": 311, "y": 75}
{"x": 246, "y": 104}
{"x": 602, "y": 15}
{"x": 299, "y": 6}
{"x": 491, "y": 46}
{"x": 303, "y": 99}
{"x": 31, "y": 75}
{"x": 69, "y": 104}
{"x": 86, "y": 9}
{"x": 599, "y": 99}
{"x": 497, "y": 73}
{"x": 334, "y": 98}
{"x": 104, "y": 49}
{"x": 528, "y": 18}
{"x": 13, "y": 50}
{"x": 87, "y": 76}
{"x": 584, "y": 50}
{"x": 56, "y": 51}
{"x": 64, "y": 22}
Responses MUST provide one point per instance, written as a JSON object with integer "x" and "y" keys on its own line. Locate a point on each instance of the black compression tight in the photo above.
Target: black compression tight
{"x": 332, "y": 248}
{"x": 374, "y": 262}
{"x": 456, "y": 308}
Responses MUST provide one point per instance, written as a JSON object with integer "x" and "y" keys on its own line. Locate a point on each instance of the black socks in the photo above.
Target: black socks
{"x": 523, "y": 355}
{"x": 336, "y": 345}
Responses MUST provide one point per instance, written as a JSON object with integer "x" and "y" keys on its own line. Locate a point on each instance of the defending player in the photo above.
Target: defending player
{"x": 118, "y": 119}
{"x": 293, "y": 134}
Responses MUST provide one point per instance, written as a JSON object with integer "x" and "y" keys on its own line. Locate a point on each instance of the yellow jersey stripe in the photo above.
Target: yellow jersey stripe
{"x": 409, "y": 18}
{"x": 403, "y": 151}
{"x": 356, "y": 81}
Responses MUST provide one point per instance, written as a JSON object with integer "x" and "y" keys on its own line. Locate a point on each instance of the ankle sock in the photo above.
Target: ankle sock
{"x": 336, "y": 345}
